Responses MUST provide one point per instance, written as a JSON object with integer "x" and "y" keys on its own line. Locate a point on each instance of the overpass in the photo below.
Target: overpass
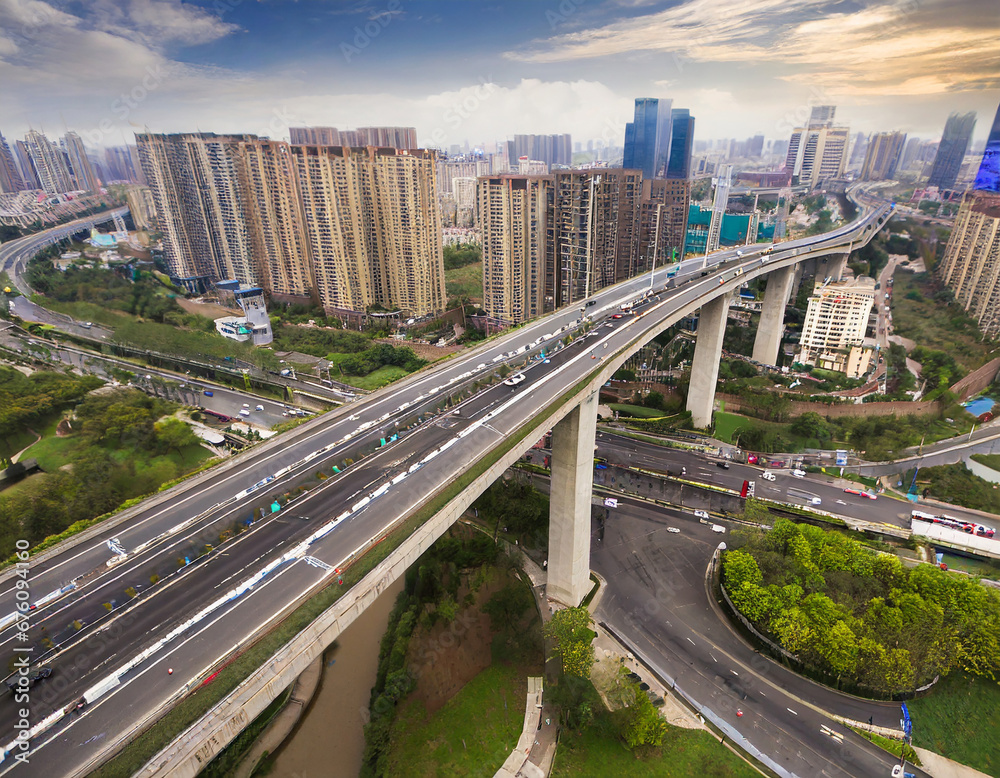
{"x": 194, "y": 617}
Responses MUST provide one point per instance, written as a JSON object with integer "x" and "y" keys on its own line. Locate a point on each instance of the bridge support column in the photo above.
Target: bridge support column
{"x": 835, "y": 266}
{"x": 772, "y": 316}
{"x": 569, "y": 503}
{"x": 705, "y": 365}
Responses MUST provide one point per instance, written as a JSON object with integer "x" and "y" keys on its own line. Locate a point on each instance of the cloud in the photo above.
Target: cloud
{"x": 927, "y": 48}
{"x": 159, "y": 23}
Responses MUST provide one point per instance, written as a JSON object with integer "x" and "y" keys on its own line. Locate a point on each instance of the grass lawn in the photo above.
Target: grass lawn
{"x": 52, "y": 452}
{"x": 467, "y": 281}
{"x": 599, "y": 753}
{"x": 471, "y": 735}
{"x": 990, "y": 460}
{"x": 87, "y": 312}
{"x": 637, "y": 411}
{"x": 935, "y": 325}
{"x": 24, "y": 485}
{"x": 376, "y": 379}
{"x": 958, "y": 720}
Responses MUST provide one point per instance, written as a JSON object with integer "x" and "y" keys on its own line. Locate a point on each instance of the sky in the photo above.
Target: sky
{"x": 464, "y": 71}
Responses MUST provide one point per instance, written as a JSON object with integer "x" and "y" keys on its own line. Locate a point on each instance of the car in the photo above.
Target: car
{"x": 244, "y": 412}
{"x": 515, "y": 379}
{"x": 87, "y": 324}
{"x": 259, "y": 408}
{"x": 723, "y": 464}
{"x": 208, "y": 393}
{"x": 799, "y": 473}
{"x": 860, "y": 493}
{"x": 617, "y": 316}
{"x": 673, "y": 529}
{"x": 246, "y": 405}
{"x": 767, "y": 475}
{"x": 591, "y": 302}
{"x": 701, "y": 514}
{"x": 718, "y": 528}
{"x": 40, "y": 675}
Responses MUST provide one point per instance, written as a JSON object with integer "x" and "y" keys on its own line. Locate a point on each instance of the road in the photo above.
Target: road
{"x": 657, "y": 598}
{"x": 196, "y": 613}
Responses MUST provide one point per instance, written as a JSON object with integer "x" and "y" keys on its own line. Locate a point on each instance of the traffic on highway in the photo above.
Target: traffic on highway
{"x": 190, "y": 609}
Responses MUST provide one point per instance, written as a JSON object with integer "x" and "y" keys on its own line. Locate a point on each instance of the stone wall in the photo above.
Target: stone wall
{"x": 839, "y": 410}
{"x": 977, "y": 380}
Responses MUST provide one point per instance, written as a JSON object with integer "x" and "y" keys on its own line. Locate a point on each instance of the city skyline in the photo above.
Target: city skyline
{"x": 573, "y": 67}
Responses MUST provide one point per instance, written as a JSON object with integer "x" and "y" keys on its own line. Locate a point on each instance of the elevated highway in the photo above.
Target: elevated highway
{"x": 192, "y": 616}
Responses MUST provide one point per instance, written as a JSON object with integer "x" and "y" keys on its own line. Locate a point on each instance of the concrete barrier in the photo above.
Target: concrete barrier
{"x": 984, "y": 472}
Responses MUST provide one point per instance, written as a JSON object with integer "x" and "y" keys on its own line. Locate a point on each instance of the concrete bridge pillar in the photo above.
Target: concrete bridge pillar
{"x": 569, "y": 503}
{"x": 705, "y": 365}
{"x": 835, "y": 266}
{"x": 772, "y": 316}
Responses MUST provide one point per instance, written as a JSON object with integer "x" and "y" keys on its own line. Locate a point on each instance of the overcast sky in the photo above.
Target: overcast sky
{"x": 462, "y": 70}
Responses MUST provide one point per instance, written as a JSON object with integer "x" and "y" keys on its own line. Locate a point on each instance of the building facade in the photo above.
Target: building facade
{"x": 49, "y": 162}
{"x": 392, "y": 137}
{"x": 516, "y": 222}
{"x": 10, "y": 176}
{"x": 971, "y": 263}
{"x": 550, "y": 149}
{"x": 648, "y": 137}
{"x": 82, "y": 171}
{"x": 836, "y": 321}
{"x": 816, "y": 155}
{"x": 951, "y": 150}
{"x": 882, "y": 155}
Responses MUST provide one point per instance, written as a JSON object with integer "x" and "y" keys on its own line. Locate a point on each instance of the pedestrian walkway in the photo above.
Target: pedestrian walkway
{"x": 939, "y": 766}
{"x": 532, "y": 757}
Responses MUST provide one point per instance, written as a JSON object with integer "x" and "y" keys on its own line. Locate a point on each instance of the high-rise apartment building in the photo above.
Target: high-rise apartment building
{"x": 822, "y": 116}
{"x": 836, "y": 319}
{"x": 516, "y": 222}
{"x": 648, "y": 137}
{"x": 817, "y": 154}
{"x": 123, "y": 165}
{"x": 49, "y": 163}
{"x": 882, "y": 155}
{"x": 10, "y": 177}
{"x": 553, "y": 240}
{"x": 971, "y": 263}
{"x": 80, "y": 167}
{"x": 26, "y": 165}
{"x": 349, "y": 227}
{"x": 203, "y": 206}
{"x": 392, "y": 137}
{"x": 951, "y": 150}
{"x": 550, "y": 149}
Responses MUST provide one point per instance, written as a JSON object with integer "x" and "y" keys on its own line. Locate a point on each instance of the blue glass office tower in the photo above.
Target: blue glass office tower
{"x": 648, "y": 136}
{"x": 681, "y": 143}
{"x": 951, "y": 150}
{"x": 988, "y": 177}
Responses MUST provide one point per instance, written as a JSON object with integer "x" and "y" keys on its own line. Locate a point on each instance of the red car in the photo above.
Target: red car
{"x": 617, "y": 316}
{"x": 861, "y": 493}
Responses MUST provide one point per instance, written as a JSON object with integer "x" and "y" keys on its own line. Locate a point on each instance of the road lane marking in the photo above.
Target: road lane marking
{"x": 791, "y": 711}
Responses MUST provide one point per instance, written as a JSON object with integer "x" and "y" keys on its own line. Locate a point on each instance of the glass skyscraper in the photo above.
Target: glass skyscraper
{"x": 647, "y": 137}
{"x": 951, "y": 151}
{"x": 988, "y": 177}
{"x": 681, "y": 142}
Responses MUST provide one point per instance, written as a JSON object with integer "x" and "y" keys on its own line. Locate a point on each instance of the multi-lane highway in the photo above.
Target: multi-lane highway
{"x": 196, "y": 613}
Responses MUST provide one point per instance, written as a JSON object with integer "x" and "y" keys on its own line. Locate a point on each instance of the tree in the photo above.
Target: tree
{"x": 756, "y": 511}
{"x": 174, "y": 435}
{"x": 640, "y": 724}
{"x": 811, "y": 425}
{"x": 738, "y": 568}
{"x": 572, "y": 639}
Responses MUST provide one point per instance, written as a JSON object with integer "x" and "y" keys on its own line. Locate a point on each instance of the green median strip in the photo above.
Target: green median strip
{"x": 160, "y": 734}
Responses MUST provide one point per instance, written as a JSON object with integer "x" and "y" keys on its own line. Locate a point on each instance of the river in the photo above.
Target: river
{"x": 329, "y": 740}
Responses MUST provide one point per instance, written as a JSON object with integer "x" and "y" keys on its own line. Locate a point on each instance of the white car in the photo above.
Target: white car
{"x": 515, "y": 379}
{"x": 244, "y": 412}
{"x": 672, "y": 529}
{"x": 799, "y": 473}
{"x": 767, "y": 475}
{"x": 718, "y": 528}
{"x": 259, "y": 408}
{"x": 701, "y": 514}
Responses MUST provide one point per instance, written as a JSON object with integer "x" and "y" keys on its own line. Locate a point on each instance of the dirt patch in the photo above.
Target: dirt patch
{"x": 64, "y": 428}
{"x": 445, "y": 657}
{"x": 426, "y": 351}
{"x": 211, "y": 310}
